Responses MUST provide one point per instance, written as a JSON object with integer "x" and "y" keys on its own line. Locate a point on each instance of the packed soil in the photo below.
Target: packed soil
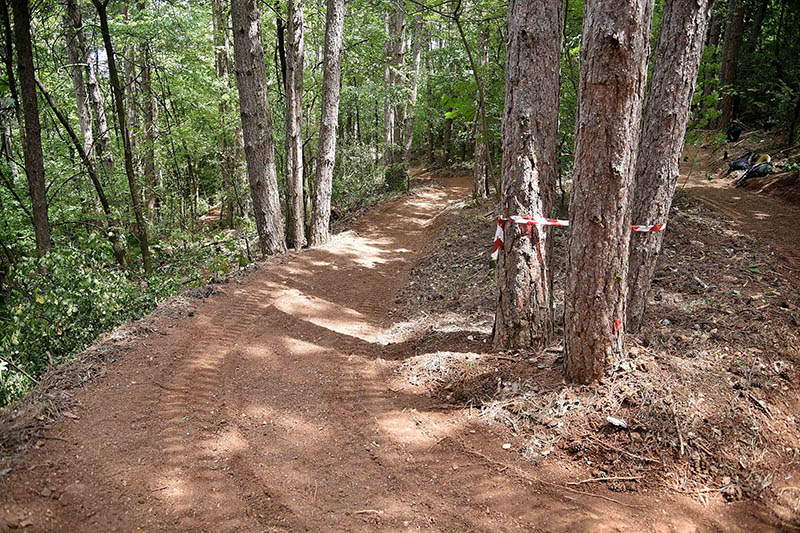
{"x": 319, "y": 393}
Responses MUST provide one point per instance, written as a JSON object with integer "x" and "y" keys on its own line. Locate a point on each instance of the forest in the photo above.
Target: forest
{"x": 151, "y": 148}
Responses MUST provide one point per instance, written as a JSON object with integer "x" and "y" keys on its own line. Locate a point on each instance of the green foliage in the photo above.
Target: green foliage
{"x": 61, "y": 303}
{"x": 397, "y": 176}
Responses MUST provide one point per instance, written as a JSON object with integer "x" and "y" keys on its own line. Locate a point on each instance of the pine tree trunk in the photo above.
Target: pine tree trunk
{"x": 295, "y": 212}
{"x": 666, "y": 115}
{"x": 616, "y": 41}
{"x": 152, "y": 188}
{"x": 480, "y": 174}
{"x": 102, "y": 134}
{"x": 416, "y": 56}
{"x": 714, "y": 31}
{"x": 523, "y": 315}
{"x": 34, "y": 158}
{"x": 131, "y": 92}
{"x": 9, "y": 61}
{"x": 326, "y": 154}
{"x": 734, "y": 28}
{"x": 394, "y": 50}
{"x": 119, "y": 101}
{"x": 254, "y": 107}
{"x": 76, "y": 60}
{"x": 227, "y": 161}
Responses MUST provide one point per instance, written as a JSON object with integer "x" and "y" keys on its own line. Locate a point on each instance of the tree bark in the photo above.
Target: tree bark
{"x": 254, "y": 108}
{"x": 76, "y": 61}
{"x": 666, "y": 115}
{"x": 102, "y": 138}
{"x": 734, "y": 28}
{"x": 416, "y": 56}
{"x": 227, "y": 161}
{"x": 480, "y": 174}
{"x": 616, "y": 41}
{"x": 295, "y": 212}
{"x": 34, "y": 158}
{"x": 484, "y": 133}
{"x": 393, "y": 51}
{"x": 9, "y": 60}
{"x": 326, "y": 154}
{"x": 523, "y": 314}
{"x": 119, "y": 100}
{"x": 152, "y": 174}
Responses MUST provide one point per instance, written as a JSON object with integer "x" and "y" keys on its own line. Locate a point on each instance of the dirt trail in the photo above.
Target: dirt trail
{"x": 268, "y": 410}
{"x": 768, "y": 218}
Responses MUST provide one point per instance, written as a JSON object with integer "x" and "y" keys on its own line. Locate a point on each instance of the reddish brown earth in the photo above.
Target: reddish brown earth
{"x": 270, "y": 409}
{"x": 771, "y": 219}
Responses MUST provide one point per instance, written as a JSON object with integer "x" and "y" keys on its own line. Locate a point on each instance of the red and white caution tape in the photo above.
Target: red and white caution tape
{"x": 499, "y": 235}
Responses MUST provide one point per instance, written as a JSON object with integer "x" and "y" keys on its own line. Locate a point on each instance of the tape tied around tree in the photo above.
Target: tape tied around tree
{"x": 499, "y": 236}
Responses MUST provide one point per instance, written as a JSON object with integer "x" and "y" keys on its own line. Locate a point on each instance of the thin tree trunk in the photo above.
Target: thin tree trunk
{"x": 416, "y": 56}
{"x": 131, "y": 91}
{"x": 326, "y": 153}
{"x": 111, "y": 232}
{"x": 393, "y": 57}
{"x": 9, "y": 60}
{"x": 714, "y": 32}
{"x": 666, "y": 115}
{"x": 481, "y": 91}
{"x": 34, "y": 158}
{"x": 616, "y": 40}
{"x": 295, "y": 212}
{"x": 76, "y": 61}
{"x": 254, "y": 108}
{"x": 227, "y": 161}
{"x": 523, "y": 315}
{"x": 734, "y": 28}
{"x": 152, "y": 187}
{"x": 119, "y": 100}
{"x": 103, "y": 137}
{"x": 480, "y": 175}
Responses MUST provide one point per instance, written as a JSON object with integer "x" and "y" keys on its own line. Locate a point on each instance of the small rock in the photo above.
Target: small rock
{"x": 666, "y": 322}
{"x": 618, "y": 422}
{"x": 507, "y": 446}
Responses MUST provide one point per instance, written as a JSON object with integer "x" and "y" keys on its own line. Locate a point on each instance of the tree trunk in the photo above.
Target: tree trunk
{"x": 714, "y": 31}
{"x": 416, "y": 56}
{"x": 76, "y": 60}
{"x": 295, "y": 212}
{"x": 616, "y": 40}
{"x": 131, "y": 96}
{"x": 393, "y": 52}
{"x": 103, "y": 137}
{"x": 227, "y": 161}
{"x": 484, "y": 130}
{"x": 326, "y": 153}
{"x": 151, "y": 173}
{"x": 734, "y": 28}
{"x": 254, "y": 107}
{"x": 480, "y": 175}
{"x": 755, "y": 29}
{"x": 9, "y": 60}
{"x": 523, "y": 315}
{"x": 119, "y": 100}
{"x": 666, "y": 115}
{"x": 34, "y": 159}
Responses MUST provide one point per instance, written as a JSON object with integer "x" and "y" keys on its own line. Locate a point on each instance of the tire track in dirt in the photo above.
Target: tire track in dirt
{"x": 269, "y": 410}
